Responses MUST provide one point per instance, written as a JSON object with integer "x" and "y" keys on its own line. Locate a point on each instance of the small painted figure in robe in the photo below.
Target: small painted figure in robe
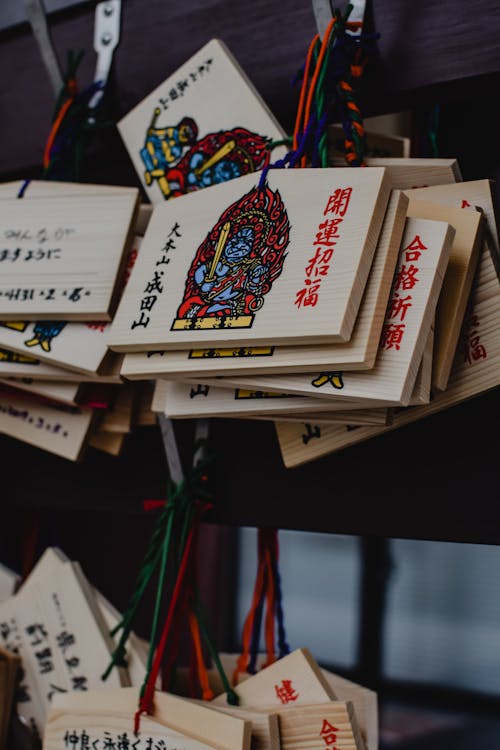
{"x": 43, "y": 333}
{"x": 164, "y": 147}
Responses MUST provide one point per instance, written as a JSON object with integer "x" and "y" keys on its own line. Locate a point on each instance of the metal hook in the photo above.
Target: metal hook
{"x": 324, "y": 10}
{"x": 106, "y": 38}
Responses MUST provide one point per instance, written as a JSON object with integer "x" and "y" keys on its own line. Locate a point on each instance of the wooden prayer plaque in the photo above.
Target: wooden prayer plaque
{"x": 60, "y": 259}
{"x": 108, "y": 442}
{"x": 145, "y": 414}
{"x": 220, "y": 730}
{"x": 476, "y": 369}
{"x": 32, "y": 189}
{"x": 364, "y": 700}
{"x": 411, "y": 173}
{"x": 205, "y": 124}
{"x": 365, "y": 704}
{"x": 13, "y": 364}
{"x": 422, "y": 388}
{"x": 347, "y": 417}
{"x": 301, "y": 443}
{"x": 17, "y": 366}
{"x": 332, "y": 724}
{"x": 60, "y": 430}
{"x": 54, "y": 623}
{"x": 417, "y": 284}
{"x": 119, "y": 417}
{"x": 457, "y": 284}
{"x": 136, "y": 648}
{"x": 109, "y": 729}
{"x": 11, "y": 638}
{"x": 184, "y": 401}
{"x": 187, "y": 724}
{"x": 245, "y": 264}
{"x": 79, "y": 346}
{"x": 471, "y": 195}
{"x": 295, "y": 677}
{"x": 357, "y": 354}
{"x": 83, "y": 347}
{"x": 65, "y": 393}
{"x": 265, "y": 727}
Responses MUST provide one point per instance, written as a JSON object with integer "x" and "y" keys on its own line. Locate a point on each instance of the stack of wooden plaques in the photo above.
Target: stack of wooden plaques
{"x": 67, "y": 252}
{"x": 466, "y": 348}
{"x": 59, "y": 627}
{"x": 265, "y": 296}
{"x": 291, "y": 703}
{"x": 336, "y": 302}
{"x": 321, "y": 299}
{"x": 330, "y": 301}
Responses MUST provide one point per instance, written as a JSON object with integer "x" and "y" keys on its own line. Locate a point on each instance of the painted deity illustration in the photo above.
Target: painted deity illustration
{"x": 237, "y": 263}
{"x": 180, "y": 163}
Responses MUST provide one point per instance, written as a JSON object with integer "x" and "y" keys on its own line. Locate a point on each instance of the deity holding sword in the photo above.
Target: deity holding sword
{"x": 234, "y": 268}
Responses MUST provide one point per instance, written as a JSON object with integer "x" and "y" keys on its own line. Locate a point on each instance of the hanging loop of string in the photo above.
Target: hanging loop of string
{"x": 71, "y": 127}
{"x": 330, "y": 91}
{"x": 148, "y": 687}
{"x": 266, "y": 596}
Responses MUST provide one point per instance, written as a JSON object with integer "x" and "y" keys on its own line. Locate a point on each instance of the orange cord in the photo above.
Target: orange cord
{"x": 300, "y": 107}
{"x": 207, "y": 692}
{"x": 312, "y": 87}
{"x": 72, "y": 90}
{"x": 242, "y": 663}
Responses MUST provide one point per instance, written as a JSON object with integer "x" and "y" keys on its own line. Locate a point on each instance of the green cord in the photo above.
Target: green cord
{"x": 232, "y": 696}
{"x": 159, "y": 592}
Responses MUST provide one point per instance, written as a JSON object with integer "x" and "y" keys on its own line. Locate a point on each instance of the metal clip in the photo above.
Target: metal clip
{"x": 171, "y": 450}
{"x": 106, "y": 38}
{"x": 38, "y": 21}
{"x": 323, "y": 13}
{"x": 201, "y": 432}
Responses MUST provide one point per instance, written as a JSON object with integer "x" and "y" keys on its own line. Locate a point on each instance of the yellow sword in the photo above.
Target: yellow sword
{"x": 221, "y": 243}
{"x": 220, "y": 154}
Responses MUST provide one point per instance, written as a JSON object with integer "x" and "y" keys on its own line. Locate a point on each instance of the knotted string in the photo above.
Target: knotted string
{"x": 73, "y": 124}
{"x": 148, "y": 568}
{"x": 349, "y": 59}
{"x": 148, "y": 687}
{"x": 180, "y": 520}
{"x": 330, "y": 86}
